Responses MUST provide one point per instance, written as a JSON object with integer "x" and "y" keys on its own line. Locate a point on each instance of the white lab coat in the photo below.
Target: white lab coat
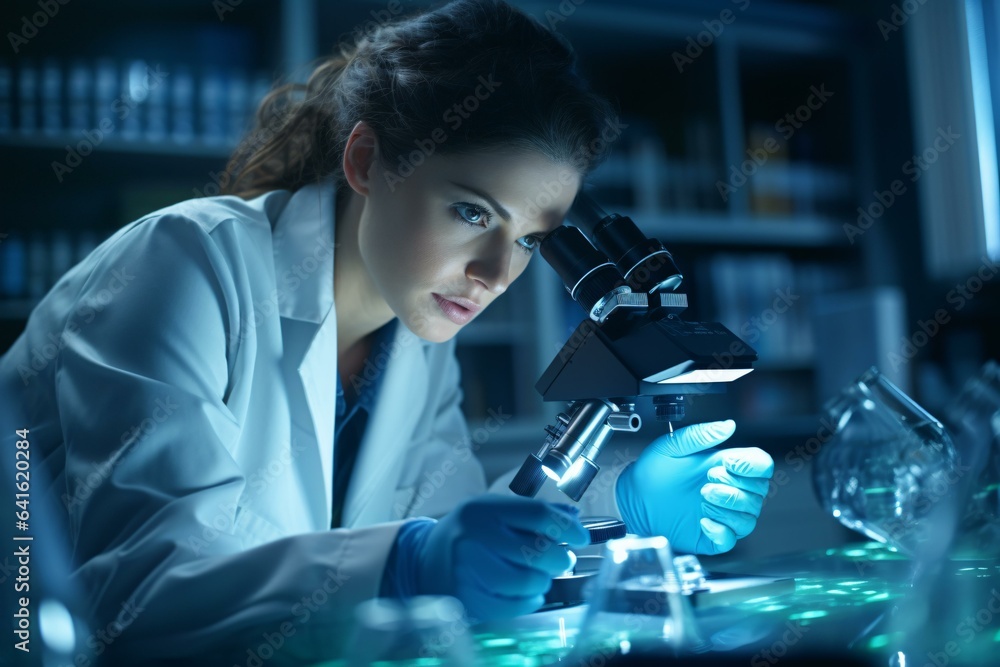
{"x": 179, "y": 386}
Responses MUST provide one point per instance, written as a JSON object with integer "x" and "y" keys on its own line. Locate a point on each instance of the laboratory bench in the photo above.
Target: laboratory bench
{"x": 854, "y": 605}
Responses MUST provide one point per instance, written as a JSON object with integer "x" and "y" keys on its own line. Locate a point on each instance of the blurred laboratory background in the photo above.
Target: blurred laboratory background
{"x": 824, "y": 173}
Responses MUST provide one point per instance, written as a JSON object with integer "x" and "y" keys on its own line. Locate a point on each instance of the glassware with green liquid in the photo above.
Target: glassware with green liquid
{"x": 891, "y": 470}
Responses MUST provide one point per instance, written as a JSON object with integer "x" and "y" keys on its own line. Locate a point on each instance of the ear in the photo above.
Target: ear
{"x": 360, "y": 156}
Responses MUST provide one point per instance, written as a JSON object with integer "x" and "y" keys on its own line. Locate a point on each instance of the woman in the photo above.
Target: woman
{"x": 245, "y": 392}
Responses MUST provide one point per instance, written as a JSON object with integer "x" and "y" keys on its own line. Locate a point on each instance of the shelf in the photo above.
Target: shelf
{"x": 792, "y": 179}
{"x": 118, "y": 145}
{"x": 698, "y": 228}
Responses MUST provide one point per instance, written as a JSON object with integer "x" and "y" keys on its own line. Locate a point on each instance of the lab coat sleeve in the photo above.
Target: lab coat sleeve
{"x": 449, "y": 470}
{"x": 140, "y": 390}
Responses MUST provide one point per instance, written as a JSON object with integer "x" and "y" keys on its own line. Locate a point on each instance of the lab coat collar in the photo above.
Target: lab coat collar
{"x": 303, "y": 241}
{"x": 303, "y": 259}
{"x": 303, "y": 238}
{"x": 389, "y": 434}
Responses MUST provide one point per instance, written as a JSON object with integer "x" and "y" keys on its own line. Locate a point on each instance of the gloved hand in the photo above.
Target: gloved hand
{"x": 702, "y": 501}
{"x": 496, "y": 554}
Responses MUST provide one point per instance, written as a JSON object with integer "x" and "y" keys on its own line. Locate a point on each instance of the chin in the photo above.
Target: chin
{"x": 430, "y": 330}
{"x": 442, "y": 334}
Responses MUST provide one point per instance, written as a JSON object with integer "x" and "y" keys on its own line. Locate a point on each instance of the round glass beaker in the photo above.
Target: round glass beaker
{"x": 889, "y": 470}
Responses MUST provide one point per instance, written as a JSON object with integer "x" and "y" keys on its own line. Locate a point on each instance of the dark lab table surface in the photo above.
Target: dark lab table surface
{"x": 855, "y": 605}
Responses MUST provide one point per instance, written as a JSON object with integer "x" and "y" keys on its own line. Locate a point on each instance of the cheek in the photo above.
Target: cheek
{"x": 407, "y": 252}
{"x": 519, "y": 263}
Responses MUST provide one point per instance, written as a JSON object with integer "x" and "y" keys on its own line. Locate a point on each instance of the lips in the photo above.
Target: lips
{"x": 468, "y": 304}
{"x": 453, "y": 311}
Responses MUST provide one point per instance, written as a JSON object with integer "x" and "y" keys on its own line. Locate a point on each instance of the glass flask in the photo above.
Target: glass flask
{"x": 972, "y": 418}
{"x": 890, "y": 469}
{"x": 423, "y": 630}
{"x": 637, "y": 604}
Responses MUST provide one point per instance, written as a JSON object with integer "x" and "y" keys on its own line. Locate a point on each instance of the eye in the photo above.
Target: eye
{"x": 478, "y": 214}
{"x": 528, "y": 249}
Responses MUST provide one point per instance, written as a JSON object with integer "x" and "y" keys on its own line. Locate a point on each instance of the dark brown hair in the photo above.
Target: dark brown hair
{"x": 402, "y": 78}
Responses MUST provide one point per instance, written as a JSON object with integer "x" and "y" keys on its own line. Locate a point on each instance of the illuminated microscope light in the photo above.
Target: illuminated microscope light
{"x": 571, "y": 460}
{"x": 699, "y": 375}
{"x": 571, "y": 474}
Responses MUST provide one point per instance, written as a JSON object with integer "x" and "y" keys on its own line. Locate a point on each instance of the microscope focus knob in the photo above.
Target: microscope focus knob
{"x": 529, "y": 479}
{"x": 604, "y": 528}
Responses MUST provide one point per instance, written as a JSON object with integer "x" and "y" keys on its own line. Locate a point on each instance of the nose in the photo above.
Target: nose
{"x": 492, "y": 267}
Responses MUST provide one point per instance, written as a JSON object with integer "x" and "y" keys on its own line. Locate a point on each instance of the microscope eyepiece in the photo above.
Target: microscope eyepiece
{"x": 644, "y": 263}
{"x": 588, "y": 275}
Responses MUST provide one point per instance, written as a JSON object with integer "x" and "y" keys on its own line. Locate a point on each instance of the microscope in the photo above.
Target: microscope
{"x": 632, "y": 344}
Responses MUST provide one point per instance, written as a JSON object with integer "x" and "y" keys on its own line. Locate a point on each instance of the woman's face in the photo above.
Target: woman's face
{"x": 442, "y": 231}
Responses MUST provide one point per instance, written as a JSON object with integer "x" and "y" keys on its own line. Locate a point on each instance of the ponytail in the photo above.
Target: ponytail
{"x": 293, "y": 131}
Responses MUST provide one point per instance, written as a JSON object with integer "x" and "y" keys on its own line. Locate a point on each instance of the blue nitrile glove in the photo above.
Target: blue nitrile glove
{"x": 702, "y": 501}
{"x": 496, "y": 554}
